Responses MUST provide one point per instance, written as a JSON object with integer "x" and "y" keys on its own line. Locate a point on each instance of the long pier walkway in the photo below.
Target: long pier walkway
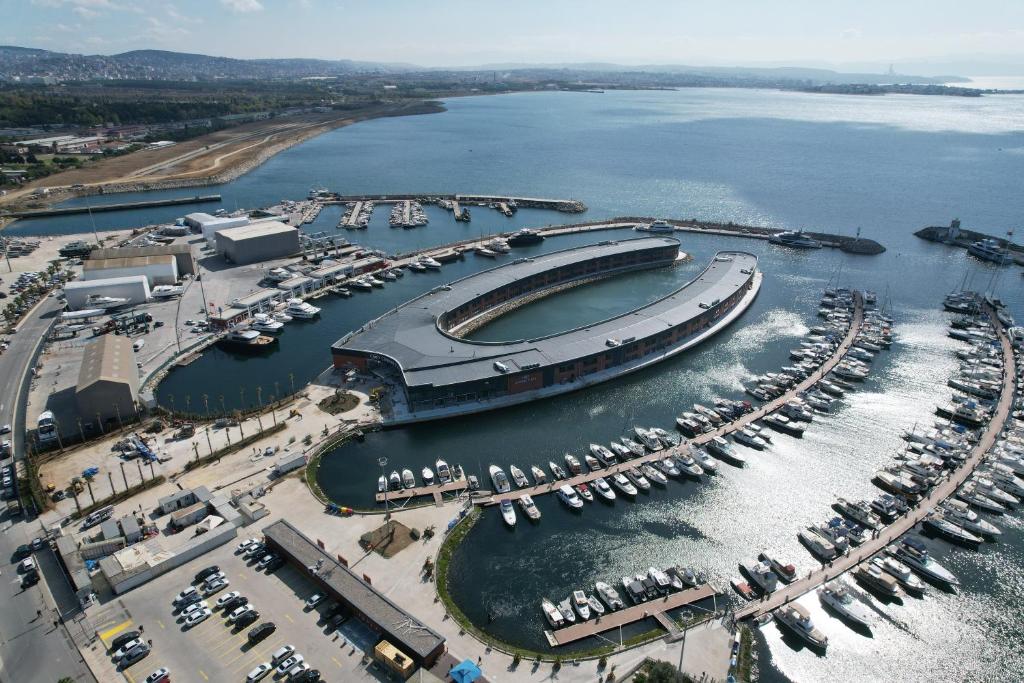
{"x": 916, "y": 514}
{"x": 728, "y": 428}
{"x": 353, "y": 216}
{"x": 654, "y": 609}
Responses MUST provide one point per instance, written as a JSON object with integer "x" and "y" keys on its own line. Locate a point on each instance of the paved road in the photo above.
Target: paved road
{"x": 916, "y": 514}
{"x": 31, "y": 649}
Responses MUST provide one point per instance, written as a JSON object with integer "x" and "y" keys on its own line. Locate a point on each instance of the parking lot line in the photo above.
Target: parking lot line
{"x": 225, "y": 645}
{"x": 160, "y": 624}
{"x": 108, "y": 635}
{"x": 130, "y": 678}
{"x": 337, "y": 662}
{"x": 289, "y": 618}
{"x": 257, "y": 655}
{"x": 203, "y": 674}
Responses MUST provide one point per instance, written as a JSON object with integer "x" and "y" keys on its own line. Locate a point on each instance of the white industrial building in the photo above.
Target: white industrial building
{"x": 158, "y": 270}
{"x": 209, "y": 225}
{"x": 260, "y": 241}
{"x": 134, "y": 288}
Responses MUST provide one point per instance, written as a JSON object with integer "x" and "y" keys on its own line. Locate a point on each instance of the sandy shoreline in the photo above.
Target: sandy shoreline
{"x": 208, "y": 160}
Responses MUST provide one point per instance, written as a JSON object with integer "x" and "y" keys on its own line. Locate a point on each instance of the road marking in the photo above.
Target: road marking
{"x": 203, "y": 674}
{"x": 289, "y": 618}
{"x": 337, "y": 662}
{"x": 108, "y": 635}
{"x": 129, "y": 677}
{"x": 160, "y": 624}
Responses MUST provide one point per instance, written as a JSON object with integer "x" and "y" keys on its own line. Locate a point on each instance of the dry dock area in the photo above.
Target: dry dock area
{"x": 654, "y": 609}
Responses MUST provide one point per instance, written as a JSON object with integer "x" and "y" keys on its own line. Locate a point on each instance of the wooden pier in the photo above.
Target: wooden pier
{"x": 653, "y": 609}
{"x": 890, "y": 533}
{"x": 437, "y": 491}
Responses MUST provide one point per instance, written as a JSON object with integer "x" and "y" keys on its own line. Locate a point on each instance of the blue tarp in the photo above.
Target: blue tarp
{"x": 465, "y": 672}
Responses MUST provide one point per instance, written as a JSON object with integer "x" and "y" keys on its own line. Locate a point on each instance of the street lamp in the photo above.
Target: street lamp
{"x": 382, "y": 461}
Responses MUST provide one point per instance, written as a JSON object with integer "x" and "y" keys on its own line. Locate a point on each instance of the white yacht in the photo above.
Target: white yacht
{"x": 408, "y": 480}
{"x": 761, "y": 574}
{"x": 499, "y": 479}
{"x": 568, "y": 495}
{"x": 901, "y": 572}
{"x": 749, "y": 438}
{"x": 428, "y": 476}
{"x": 282, "y": 317}
{"x": 297, "y": 308}
{"x": 264, "y": 323}
{"x": 508, "y": 513}
{"x": 444, "y": 473}
{"x": 961, "y": 514}
{"x": 552, "y": 614}
{"x": 656, "y": 226}
{"x": 539, "y": 475}
{"x": 914, "y": 553}
{"x": 837, "y": 596}
{"x": 794, "y": 617}
{"x": 430, "y": 263}
{"x": 623, "y": 485}
{"x": 796, "y": 239}
{"x": 104, "y": 302}
{"x": 990, "y": 250}
{"x": 820, "y": 546}
{"x": 724, "y": 450}
{"x": 529, "y": 507}
{"x": 518, "y": 477}
{"x": 603, "y": 489}
{"x": 581, "y": 604}
{"x": 609, "y": 595}
{"x": 279, "y": 274}
{"x": 166, "y": 291}
{"x": 859, "y": 511}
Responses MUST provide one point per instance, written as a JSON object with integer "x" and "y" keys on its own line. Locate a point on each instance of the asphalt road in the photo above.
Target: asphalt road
{"x": 31, "y": 648}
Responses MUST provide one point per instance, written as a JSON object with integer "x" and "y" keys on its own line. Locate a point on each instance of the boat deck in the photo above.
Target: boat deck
{"x": 902, "y": 525}
{"x": 654, "y": 609}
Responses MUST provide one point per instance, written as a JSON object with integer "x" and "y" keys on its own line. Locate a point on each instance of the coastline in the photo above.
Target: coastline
{"x": 224, "y": 168}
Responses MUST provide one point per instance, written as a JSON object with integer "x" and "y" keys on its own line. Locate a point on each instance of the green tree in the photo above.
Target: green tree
{"x": 659, "y": 672}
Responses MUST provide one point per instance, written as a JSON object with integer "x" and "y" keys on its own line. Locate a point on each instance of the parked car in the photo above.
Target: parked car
{"x": 258, "y": 673}
{"x": 194, "y": 607}
{"x": 234, "y": 603}
{"x": 215, "y": 586}
{"x": 286, "y": 666}
{"x": 262, "y": 631}
{"x": 161, "y": 675}
{"x": 206, "y": 573}
{"x": 30, "y": 579}
{"x": 226, "y": 598}
{"x": 198, "y": 617}
{"x": 308, "y": 676}
{"x": 314, "y": 600}
{"x": 126, "y": 648}
{"x": 135, "y": 655}
{"x": 282, "y": 652}
{"x": 233, "y": 617}
{"x": 245, "y": 545}
{"x": 126, "y": 637}
{"x": 267, "y": 559}
{"x": 27, "y": 564}
{"x": 274, "y": 564}
{"x": 186, "y": 596}
{"x": 247, "y": 619}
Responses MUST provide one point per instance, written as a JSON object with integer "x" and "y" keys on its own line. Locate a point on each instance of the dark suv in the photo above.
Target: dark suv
{"x": 209, "y": 571}
{"x": 250, "y": 617}
{"x": 234, "y": 603}
{"x": 262, "y": 631}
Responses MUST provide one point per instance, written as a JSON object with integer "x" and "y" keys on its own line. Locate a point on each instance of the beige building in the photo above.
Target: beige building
{"x": 108, "y": 382}
{"x": 182, "y": 254}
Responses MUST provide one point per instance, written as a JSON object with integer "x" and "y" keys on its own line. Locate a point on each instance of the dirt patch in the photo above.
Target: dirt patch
{"x": 387, "y": 539}
{"x": 339, "y": 402}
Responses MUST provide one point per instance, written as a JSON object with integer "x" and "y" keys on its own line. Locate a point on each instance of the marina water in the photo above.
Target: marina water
{"x": 887, "y": 165}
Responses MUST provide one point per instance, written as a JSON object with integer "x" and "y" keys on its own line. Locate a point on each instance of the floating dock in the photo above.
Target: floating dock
{"x": 652, "y": 609}
{"x": 437, "y": 491}
{"x": 121, "y": 206}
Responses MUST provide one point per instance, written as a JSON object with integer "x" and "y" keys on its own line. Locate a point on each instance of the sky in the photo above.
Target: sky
{"x": 838, "y": 33}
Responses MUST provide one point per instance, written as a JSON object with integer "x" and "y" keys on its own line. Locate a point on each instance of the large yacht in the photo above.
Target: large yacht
{"x": 529, "y": 507}
{"x": 568, "y": 495}
{"x": 990, "y": 250}
{"x": 837, "y": 596}
{"x": 245, "y": 339}
{"x": 656, "y": 226}
{"x": 721, "y": 448}
{"x": 104, "y": 302}
{"x": 525, "y": 237}
{"x": 796, "y": 239}
{"x": 297, "y": 308}
{"x": 499, "y": 479}
{"x": 914, "y": 553}
{"x": 796, "y": 619}
{"x": 262, "y": 322}
{"x": 761, "y": 574}
{"x": 166, "y": 291}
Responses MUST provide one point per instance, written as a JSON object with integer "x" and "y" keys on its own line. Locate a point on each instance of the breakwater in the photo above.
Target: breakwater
{"x": 964, "y": 238}
{"x": 120, "y": 206}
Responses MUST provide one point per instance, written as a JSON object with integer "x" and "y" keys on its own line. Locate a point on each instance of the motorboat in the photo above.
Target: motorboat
{"x": 609, "y": 595}
{"x": 530, "y": 508}
{"x": 636, "y": 448}
{"x": 660, "y": 578}
{"x": 913, "y": 552}
{"x": 818, "y": 544}
{"x": 282, "y": 317}
{"x": 600, "y": 485}
{"x": 901, "y": 572}
{"x": 408, "y": 480}
{"x": 649, "y": 440}
{"x": 361, "y": 283}
{"x": 711, "y": 415}
{"x": 105, "y": 302}
{"x": 781, "y": 423}
{"x": 539, "y": 475}
{"x": 430, "y": 263}
{"x": 499, "y": 479}
{"x": 374, "y": 282}
{"x": 261, "y": 322}
{"x": 761, "y": 574}
{"x": 525, "y": 237}
{"x": 859, "y": 511}
{"x": 417, "y": 267}
{"x": 687, "y": 464}
{"x": 743, "y": 589}
{"x": 749, "y": 438}
{"x": 795, "y": 617}
{"x": 991, "y": 250}
{"x": 831, "y": 388}
{"x": 637, "y": 478}
{"x": 667, "y": 440}
{"x": 508, "y": 513}
{"x": 653, "y": 475}
{"x": 954, "y": 533}
{"x": 567, "y": 495}
{"x": 584, "y": 492}
{"x": 624, "y": 486}
{"x": 596, "y": 606}
{"x": 785, "y": 572}
{"x": 444, "y": 473}
{"x": 988, "y": 488}
{"x": 969, "y": 494}
{"x": 795, "y": 239}
{"x": 297, "y": 308}
{"x": 166, "y": 291}
{"x": 961, "y": 514}
{"x": 343, "y": 292}
{"x": 518, "y": 477}
{"x": 567, "y": 612}
{"x": 687, "y": 576}
{"x": 898, "y": 484}
{"x": 382, "y": 484}
{"x": 837, "y": 596}
{"x": 658, "y": 226}
{"x": 573, "y": 464}
{"x": 428, "y": 476}
{"x": 723, "y": 450}
{"x": 668, "y": 467}
{"x": 889, "y": 507}
{"x": 603, "y": 455}
{"x": 592, "y": 463}
{"x": 706, "y": 462}
{"x": 580, "y": 604}
{"x": 552, "y": 614}
{"x": 873, "y": 577}
{"x": 395, "y": 480}
{"x": 484, "y": 251}
{"x": 634, "y": 589}
{"x": 556, "y": 470}
{"x": 621, "y": 451}
{"x": 245, "y": 339}
{"x": 1005, "y": 478}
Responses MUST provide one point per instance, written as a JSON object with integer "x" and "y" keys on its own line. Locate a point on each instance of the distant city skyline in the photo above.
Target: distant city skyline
{"x": 916, "y": 37}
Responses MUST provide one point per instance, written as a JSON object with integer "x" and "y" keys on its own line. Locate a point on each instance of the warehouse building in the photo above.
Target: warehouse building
{"x": 158, "y": 270}
{"x": 208, "y": 225}
{"x": 258, "y": 242}
{"x": 182, "y": 254}
{"x": 108, "y": 381}
{"x": 134, "y": 288}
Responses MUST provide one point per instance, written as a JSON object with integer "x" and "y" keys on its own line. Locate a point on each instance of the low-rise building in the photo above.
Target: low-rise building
{"x": 289, "y": 463}
{"x": 257, "y": 242}
{"x": 182, "y": 253}
{"x": 190, "y": 515}
{"x": 134, "y": 289}
{"x": 158, "y": 270}
{"x": 108, "y": 380}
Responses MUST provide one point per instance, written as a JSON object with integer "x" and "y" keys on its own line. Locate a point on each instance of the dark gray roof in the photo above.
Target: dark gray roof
{"x": 398, "y": 626}
{"x": 409, "y": 334}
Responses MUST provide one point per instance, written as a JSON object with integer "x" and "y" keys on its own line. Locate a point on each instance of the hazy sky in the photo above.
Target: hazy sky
{"x": 468, "y": 32}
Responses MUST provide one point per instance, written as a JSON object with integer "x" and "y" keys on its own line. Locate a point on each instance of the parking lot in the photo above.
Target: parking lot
{"x": 215, "y": 651}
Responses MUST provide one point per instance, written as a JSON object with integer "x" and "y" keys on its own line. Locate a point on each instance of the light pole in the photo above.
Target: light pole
{"x": 382, "y": 461}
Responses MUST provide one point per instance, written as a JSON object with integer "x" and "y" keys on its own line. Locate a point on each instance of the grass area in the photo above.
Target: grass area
{"x": 745, "y": 662}
{"x": 339, "y": 402}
